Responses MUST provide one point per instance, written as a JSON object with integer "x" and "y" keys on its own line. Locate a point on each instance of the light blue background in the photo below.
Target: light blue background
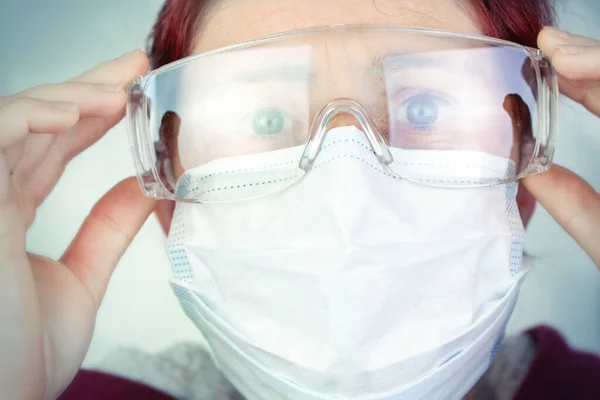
{"x": 48, "y": 41}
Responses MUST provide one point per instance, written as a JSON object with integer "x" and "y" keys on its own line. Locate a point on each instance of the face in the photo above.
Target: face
{"x": 228, "y": 22}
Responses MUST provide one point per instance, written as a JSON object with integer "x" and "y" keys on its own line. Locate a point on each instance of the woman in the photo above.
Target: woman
{"x": 48, "y": 315}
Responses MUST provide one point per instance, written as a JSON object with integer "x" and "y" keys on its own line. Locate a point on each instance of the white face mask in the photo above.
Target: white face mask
{"x": 352, "y": 283}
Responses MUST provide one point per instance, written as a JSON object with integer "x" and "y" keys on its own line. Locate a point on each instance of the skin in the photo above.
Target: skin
{"x": 220, "y": 27}
{"x": 48, "y": 307}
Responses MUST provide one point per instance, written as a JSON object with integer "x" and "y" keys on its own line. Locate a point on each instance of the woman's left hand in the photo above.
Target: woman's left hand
{"x": 571, "y": 201}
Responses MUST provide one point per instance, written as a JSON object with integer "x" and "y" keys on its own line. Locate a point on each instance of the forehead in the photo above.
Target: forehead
{"x": 232, "y": 21}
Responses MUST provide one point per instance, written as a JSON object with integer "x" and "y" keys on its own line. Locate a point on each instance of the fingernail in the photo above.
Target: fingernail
{"x": 105, "y": 87}
{"x": 571, "y": 49}
{"x": 65, "y": 105}
{"x": 560, "y": 33}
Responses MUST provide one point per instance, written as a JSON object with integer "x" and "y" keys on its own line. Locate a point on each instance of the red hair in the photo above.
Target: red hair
{"x": 173, "y": 34}
{"x": 519, "y": 21}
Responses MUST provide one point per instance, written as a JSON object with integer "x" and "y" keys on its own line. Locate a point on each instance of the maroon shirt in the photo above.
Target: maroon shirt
{"x": 559, "y": 372}
{"x": 92, "y": 385}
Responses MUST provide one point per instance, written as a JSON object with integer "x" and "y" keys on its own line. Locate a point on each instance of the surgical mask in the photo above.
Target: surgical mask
{"x": 352, "y": 283}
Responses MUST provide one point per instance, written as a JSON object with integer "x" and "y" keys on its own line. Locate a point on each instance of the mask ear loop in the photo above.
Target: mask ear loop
{"x": 322, "y": 120}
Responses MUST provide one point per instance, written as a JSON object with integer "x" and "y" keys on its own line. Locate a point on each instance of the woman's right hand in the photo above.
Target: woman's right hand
{"x": 48, "y": 307}
{"x": 571, "y": 201}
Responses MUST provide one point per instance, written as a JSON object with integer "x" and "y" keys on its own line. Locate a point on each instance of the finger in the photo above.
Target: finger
{"x": 574, "y": 57}
{"x": 27, "y": 155}
{"x": 93, "y": 99}
{"x": 106, "y": 234}
{"x": 20, "y": 116}
{"x": 119, "y": 71}
{"x": 573, "y": 203}
{"x": 551, "y": 37}
{"x": 59, "y": 153}
{"x": 116, "y": 72}
{"x": 577, "y": 62}
{"x": 586, "y": 92}
{"x": 526, "y": 204}
{"x": 164, "y": 213}
{"x": 87, "y": 132}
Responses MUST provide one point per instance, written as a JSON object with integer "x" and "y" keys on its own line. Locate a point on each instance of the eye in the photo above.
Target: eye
{"x": 268, "y": 121}
{"x": 422, "y": 110}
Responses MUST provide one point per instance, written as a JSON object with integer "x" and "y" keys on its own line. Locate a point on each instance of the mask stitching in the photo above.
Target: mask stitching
{"x": 418, "y": 164}
{"x": 514, "y": 220}
{"x": 245, "y": 169}
{"x": 177, "y": 254}
{"x": 181, "y": 264}
{"x": 329, "y": 145}
{"x": 241, "y": 186}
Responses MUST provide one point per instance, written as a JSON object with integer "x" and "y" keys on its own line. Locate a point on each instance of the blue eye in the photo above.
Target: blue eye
{"x": 268, "y": 121}
{"x": 422, "y": 110}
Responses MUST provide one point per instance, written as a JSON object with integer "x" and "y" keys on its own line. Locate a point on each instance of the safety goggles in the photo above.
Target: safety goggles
{"x": 419, "y": 97}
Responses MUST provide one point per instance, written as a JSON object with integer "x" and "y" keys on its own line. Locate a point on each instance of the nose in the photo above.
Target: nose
{"x": 344, "y": 119}
{"x": 338, "y": 113}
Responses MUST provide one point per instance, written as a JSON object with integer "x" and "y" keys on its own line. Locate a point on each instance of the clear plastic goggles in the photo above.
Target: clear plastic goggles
{"x": 409, "y": 90}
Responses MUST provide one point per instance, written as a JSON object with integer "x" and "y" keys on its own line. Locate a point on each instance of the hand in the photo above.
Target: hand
{"x": 566, "y": 196}
{"x": 47, "y": 307}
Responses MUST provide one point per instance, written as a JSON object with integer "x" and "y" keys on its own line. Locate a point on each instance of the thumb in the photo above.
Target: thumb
{"x": 573, "y": 203}
{"x": 105, "y": 235}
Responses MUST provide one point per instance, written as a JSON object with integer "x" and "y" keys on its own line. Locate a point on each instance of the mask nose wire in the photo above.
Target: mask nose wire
{"x": 322, "y": 120}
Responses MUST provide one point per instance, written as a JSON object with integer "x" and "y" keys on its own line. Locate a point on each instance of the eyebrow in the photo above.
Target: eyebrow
{"x": 389, "y": 63}
{"x": 394, "y": 62}
{"x": 400, "y": 61}
{"x": 295, "y": 74}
